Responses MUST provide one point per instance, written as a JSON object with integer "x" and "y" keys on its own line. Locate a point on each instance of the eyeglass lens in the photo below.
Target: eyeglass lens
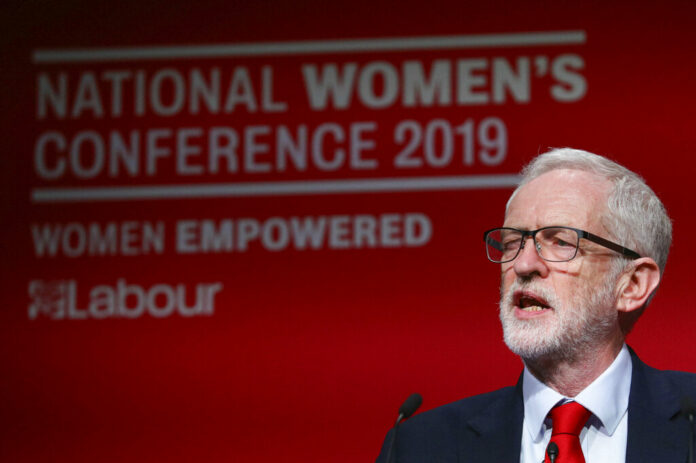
{"x": 556, "y": 244}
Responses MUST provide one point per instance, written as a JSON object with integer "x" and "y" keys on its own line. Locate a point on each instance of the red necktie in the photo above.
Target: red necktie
{"x": 568, "y": 420}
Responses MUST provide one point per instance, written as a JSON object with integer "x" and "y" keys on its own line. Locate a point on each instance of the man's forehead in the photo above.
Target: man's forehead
{"x": 563, "y": 194}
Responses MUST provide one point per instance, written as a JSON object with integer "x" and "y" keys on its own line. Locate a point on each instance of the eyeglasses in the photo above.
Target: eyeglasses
{"x": 553, "y": 244}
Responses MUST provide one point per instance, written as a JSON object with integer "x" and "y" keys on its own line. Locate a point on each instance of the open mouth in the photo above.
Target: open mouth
{"x": 529, "y": 302}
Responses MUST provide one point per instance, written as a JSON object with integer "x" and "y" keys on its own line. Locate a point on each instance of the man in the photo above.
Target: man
{"x": 582, "y": 251}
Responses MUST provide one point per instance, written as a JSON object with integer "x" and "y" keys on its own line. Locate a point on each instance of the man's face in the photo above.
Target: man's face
{"x": 559, "y": 309}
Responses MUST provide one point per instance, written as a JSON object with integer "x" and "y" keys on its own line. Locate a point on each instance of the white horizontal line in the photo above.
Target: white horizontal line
{"x": 521, "y": 39}
{"x": 313, "y": 187}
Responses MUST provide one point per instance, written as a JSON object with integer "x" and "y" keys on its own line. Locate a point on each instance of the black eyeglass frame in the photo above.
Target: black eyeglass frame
{"x": 581, "y": 234}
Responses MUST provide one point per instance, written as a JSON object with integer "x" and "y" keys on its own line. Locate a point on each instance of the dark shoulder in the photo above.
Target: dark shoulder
{"x": 447, "y": 419}
{"x": 683, "y": 381}
{"x": 432, "y": 436}
{"x": 664, "y": 389}
{"x": 461, "y": 409}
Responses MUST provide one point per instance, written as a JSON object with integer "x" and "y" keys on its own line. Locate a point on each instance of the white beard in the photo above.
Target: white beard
{"x": 567, "y": 333}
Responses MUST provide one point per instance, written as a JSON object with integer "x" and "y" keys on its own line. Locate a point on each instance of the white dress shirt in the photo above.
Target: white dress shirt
{"x": 603, "y": 439}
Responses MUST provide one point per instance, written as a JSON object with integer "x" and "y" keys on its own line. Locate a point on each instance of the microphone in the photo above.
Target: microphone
{"x": 552, "y": 451}
{"x": 407, "y": 409}
{"x": 688, "y": 410}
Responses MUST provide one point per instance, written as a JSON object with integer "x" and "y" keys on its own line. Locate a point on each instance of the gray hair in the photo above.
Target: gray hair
{"x": 635, "y": 218}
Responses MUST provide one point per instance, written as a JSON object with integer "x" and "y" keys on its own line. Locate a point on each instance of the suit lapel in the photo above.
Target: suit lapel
{"x": 495, "y": 433}
{"x": 655, "y": 431}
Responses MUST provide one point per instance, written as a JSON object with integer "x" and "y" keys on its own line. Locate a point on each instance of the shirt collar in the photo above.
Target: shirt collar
{"x": 606, "y": 397}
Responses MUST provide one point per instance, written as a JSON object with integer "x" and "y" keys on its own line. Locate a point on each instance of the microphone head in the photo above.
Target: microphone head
{"x": 410, "y": 405}
{"x": 687, "y": 406}
{"x": 552, "y": 450}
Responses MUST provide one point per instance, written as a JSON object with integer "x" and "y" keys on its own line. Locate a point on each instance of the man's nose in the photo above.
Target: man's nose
{"x": 528, "y": 260}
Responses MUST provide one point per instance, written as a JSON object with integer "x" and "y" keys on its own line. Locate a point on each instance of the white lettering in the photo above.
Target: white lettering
{"x": 74, "y": 239}
{"x": 572, "y": 86}
{"x": 387, "y": 75}
{"x": 208, "y": 92}
{"x": 184, "y": 151}
{"x": 40, "y": 165}
{"x": 87, "y": 97}
{"x": 96, "y": 149}
{"x": 468, "y": 81}
{"x": 339, "y": 154}
{"x": 240, "y": 91}
{"x": 417, "y": 90}
{"x": 506, "y": 80}
{"x": 176, "y": 84}
{"x": 252, "y": 148}
{"x": 302, "y": 233}
{"x": 358, "y": 144}
{"x": 115, "y": 79}
{"x": 329, "y": 87}
{"x": 267, "y": 102}
{"x": 55, "y": 97}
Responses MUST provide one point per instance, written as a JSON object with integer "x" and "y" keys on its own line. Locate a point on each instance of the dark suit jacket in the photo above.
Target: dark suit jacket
{"x": 487, "y": 428}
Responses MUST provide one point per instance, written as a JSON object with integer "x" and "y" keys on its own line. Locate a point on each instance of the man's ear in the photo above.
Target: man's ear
{"x": 637, "y": 284}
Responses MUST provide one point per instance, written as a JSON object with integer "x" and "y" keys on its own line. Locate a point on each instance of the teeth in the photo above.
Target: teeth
{"x": 532, "y": 308}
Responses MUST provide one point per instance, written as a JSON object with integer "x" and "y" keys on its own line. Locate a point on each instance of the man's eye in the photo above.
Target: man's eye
{"x": 511, "y": 245}
{"x": 562, "y": 243}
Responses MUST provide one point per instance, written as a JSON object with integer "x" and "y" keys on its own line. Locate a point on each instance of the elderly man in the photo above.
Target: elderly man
{"x": 581, "y": 252}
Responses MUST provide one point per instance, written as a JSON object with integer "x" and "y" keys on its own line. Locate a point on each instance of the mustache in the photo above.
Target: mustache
{"x": 507, "y": 297}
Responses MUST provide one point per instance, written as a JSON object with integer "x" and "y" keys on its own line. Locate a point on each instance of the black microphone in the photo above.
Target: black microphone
{"x": 688, "y": 410}
{"x": 407, "y": 409}
{"x": 552, "y": 451}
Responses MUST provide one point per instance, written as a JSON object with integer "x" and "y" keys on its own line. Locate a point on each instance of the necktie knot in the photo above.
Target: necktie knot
{"x": 569, "y": 418}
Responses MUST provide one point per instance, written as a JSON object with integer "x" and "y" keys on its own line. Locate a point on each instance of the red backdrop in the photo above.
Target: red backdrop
{"x": 179, "y": 287}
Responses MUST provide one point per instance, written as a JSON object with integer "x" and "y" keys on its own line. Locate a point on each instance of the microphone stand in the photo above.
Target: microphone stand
{"x": 687, "y": 411}
{"x": 407, "y": 409}
{"x": 690, "y": 417}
